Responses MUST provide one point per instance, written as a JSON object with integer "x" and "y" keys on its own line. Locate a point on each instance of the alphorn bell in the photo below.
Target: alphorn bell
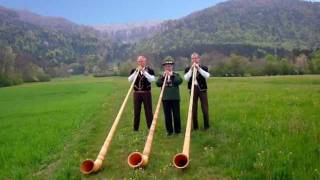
{"x": 89, "y": 166}
{"x": 137, "y": 159}
{"x": 181, "y": 160}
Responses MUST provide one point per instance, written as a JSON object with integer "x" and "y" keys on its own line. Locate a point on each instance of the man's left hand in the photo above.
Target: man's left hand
{"x": 196, "y": 66}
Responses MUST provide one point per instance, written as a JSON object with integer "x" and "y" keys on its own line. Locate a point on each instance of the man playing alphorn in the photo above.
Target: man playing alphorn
{"x": 142, "y": 91}
{"x": 171, "y": 96}
{"x": 200, "y": 90}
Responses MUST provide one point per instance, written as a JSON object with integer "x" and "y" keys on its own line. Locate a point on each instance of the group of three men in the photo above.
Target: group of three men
{"x": 171, "y": 94}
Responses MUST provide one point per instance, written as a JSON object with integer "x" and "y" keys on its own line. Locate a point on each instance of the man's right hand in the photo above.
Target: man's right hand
{"x": 168, "y": 73}
{"x": 196, "y": 65}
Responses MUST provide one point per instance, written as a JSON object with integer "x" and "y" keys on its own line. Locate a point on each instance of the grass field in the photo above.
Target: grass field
{"x": 262, "y": 128}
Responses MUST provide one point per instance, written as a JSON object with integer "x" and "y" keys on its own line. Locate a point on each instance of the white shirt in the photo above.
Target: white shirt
{"x": 203, "y": 73}
{"x": 149, "y": 77}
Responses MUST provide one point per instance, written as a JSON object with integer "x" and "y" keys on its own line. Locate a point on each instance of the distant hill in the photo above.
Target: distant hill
{"x": 130, "y": 32}
{"x": 287, "y": 24}
{"x": 35, "y": 48}
{"x": 56, "y": 46}
{"x": 56, "y": 23}
{"x": 37, "y": 35}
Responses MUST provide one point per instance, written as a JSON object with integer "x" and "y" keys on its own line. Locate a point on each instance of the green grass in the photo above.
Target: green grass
{"x": 262, "y": 128}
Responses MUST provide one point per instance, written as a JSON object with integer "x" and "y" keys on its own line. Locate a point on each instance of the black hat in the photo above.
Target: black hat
{"x": 168, "y": 60}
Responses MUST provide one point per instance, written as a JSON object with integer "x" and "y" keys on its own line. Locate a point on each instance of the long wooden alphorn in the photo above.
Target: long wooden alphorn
{"x": 137, "y": 159}
{"x": 181, "y": 160}
{"x": 89, "y": 166}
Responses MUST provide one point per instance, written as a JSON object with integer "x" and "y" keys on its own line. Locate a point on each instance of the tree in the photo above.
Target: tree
{"x": 285, "y": 67}
{"x": 271, "y": 58}
{"x": 7, "y": 61}
{"x": 103, "y": 69}
{"x": 301, "y": 64}
{"x": 315, "y": 63}
{"x": 90, "y": 61}
{"x": 8, "y": 74}
{"x": 235, "y": 65}
{"x": 238, "y": 65}
{"x": 272, "y": 65}
{"x": 126, "y": 67}
{"x": 256, "y": 67}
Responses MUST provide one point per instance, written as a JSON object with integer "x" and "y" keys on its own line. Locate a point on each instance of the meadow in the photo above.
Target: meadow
{"x": 261, "y": 128}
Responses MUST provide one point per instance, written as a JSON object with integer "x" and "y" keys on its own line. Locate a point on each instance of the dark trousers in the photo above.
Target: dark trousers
{"x": 202, "y": 95}
{"x": 172, "y": 108}
{"x": 140, "y": 97}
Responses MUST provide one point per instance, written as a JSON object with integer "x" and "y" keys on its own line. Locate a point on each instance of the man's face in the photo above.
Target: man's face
{"x": 195, "y": 59}
{"x": 141, "y": 61}
{"x": 168, "y": 67}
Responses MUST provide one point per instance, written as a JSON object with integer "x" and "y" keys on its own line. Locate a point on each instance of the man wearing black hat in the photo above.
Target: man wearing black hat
{"x": 142, "y": 91}
{"x": 171, "y": 96}
{"x": 200, "y": 90}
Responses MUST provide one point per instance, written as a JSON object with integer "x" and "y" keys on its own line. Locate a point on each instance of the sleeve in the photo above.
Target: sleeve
{"x": 176, "y": 79}
{"x": 204, "y": 72}
{"x": 160, "y": 80}
{"x": 133, "y": 75}
{"x": 150, "y": 77}
{"x": 188, "y": 74}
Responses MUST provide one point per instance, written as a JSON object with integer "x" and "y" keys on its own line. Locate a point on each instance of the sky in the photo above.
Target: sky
{"x": 97, "y": 12}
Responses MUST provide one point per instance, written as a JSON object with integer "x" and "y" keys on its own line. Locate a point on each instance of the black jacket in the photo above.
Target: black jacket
{"x": 142, "y": 83}
{"x": 202, "y": 82}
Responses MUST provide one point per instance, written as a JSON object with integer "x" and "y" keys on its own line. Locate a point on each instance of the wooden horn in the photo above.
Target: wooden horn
{"x": 89, "y": 166}
{"x": 181, "y": 160}
{"x": 137, "y": 159}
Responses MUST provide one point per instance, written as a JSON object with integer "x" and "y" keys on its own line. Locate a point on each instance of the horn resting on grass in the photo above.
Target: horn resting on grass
{"x": 89, "y": 166}
{"x": 137, "y": 159}
{"x": 181, "y": 160}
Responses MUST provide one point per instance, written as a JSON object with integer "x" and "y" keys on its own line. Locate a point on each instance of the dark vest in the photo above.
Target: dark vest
{"x": 202, "y": 83}
{"x": 142, "y": 83}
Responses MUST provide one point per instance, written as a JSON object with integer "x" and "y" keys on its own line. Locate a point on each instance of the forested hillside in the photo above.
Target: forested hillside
{"x": 35, "y": 48}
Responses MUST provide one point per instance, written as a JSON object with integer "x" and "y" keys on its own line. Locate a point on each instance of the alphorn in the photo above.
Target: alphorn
{"x": 89, "y": 166}
{"x": 181, "y": 160}
{"x": 137, "y": 159}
